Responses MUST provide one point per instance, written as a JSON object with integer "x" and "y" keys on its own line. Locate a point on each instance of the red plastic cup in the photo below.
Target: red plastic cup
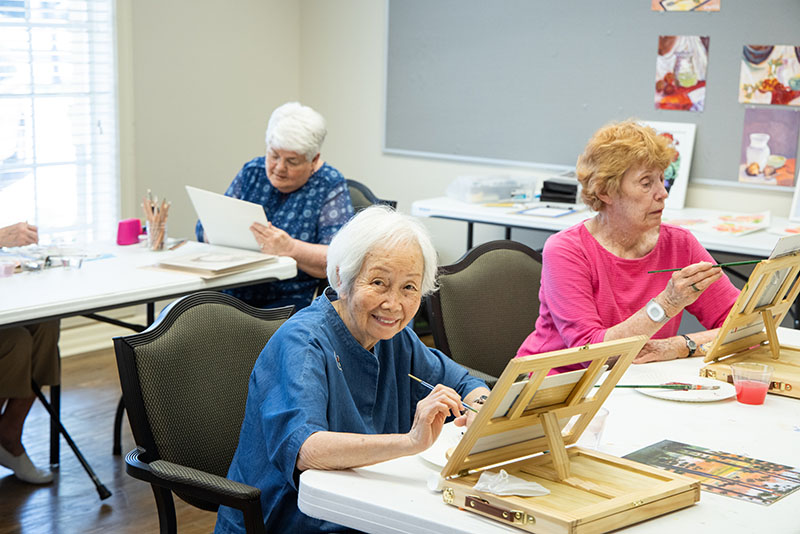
{"x": 752, "y": 381}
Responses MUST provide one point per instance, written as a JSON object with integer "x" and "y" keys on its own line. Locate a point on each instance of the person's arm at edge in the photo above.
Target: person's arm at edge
{"x": 341, "y": 450}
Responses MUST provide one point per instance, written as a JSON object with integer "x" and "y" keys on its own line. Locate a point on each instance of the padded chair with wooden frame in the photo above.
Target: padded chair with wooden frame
{"x": 185, "y": 382}
{"x": 486, "y": 305}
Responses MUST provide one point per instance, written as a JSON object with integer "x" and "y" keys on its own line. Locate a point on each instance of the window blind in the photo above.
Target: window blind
{"x": 58, "y": 118}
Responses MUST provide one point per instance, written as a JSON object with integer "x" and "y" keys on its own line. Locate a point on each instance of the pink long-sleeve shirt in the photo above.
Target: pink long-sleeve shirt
{"x": 586, "y": 289}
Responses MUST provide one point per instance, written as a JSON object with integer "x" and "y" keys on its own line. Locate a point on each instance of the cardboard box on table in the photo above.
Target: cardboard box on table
{"x": 529, "y": 420}
{"x": 749, "y": 332}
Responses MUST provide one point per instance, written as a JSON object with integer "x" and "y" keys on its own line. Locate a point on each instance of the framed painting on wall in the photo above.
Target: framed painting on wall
{"x": 676, "y": 176}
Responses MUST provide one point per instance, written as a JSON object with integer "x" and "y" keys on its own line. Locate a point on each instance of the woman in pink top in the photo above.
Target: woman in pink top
{"x": 595, "y": 285}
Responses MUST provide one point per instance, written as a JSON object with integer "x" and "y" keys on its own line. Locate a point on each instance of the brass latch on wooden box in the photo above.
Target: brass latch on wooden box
{"x": 515, "y": 517}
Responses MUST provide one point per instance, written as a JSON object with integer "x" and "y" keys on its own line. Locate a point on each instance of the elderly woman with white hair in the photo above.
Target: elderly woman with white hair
{"x": 331, "y": 389}
{"x": 305, "y": 200}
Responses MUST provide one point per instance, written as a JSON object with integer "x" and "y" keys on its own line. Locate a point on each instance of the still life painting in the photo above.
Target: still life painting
{"x": 723, "y": 473}
{"x": 730, "y": 224}
{"x": 676, "y": 175}
{"x": 685, "y": 5}
{"x": 769, "y": 146}
{"x": 681, "y": 68}
{"x": 770, "y": 75}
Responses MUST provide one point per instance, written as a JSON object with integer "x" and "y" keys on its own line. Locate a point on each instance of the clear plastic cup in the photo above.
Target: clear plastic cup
{"x": 752, "y": 381}
{"x": 594, "y": 432}
{"x": 156, "y": 235}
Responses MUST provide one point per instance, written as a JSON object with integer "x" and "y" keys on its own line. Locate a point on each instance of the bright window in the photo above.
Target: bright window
{"x": 58, "y": 118}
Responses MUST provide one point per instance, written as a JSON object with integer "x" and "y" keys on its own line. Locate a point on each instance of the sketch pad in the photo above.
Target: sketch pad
{"x": 227, "y": 220}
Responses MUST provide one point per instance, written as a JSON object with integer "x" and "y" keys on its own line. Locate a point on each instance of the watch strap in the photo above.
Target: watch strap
{"x": 691, "y": 345}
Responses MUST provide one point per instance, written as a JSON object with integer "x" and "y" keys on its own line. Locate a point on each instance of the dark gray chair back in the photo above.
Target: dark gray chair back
{"x": 486, "y": 305}
{"x": 190, "y": 372}
{"x": 362, "y": 197}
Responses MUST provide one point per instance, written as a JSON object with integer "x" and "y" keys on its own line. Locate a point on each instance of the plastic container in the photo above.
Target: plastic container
{"x": 480, "y": 189}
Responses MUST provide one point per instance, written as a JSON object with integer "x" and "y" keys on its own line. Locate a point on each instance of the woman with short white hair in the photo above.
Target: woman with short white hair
{"x": 331, "y": 389}
{"x": 305, "y": 200}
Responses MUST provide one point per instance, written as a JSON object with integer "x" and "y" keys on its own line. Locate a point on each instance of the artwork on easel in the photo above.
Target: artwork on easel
{"x": 685, "y": 5}
{"x": 681, "y": 68}
{"x": 768, "y": 154}
{"x": 770, "y": 74}
{"x": 676, "y": 176}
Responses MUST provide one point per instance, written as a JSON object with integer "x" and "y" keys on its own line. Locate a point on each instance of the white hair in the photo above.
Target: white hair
{"x": 296, "y": 128}
{"x": 377, "y": 227}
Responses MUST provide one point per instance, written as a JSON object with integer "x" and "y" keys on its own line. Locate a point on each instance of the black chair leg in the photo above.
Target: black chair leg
{"x": 118, "y": 427}
{"x": 55, "y": 420}
{"x": 167, "y": 522}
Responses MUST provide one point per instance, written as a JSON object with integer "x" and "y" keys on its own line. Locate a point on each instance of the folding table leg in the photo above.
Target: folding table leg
{"x": 55, "y": 420}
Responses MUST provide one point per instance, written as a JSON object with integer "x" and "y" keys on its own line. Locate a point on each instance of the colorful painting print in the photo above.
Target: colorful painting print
{"x": 681, "y": 68}
{"x": 769, "y": 146}
{"x": 731, "y": 475}
{"x": 676, "y": 176}
{"x": 685, "y": 5}
{"x": 770, "y": 75}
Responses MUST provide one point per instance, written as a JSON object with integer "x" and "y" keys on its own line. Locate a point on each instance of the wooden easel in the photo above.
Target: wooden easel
{"x": 749, "y": 333}
{"x": 529, "y": 424}
{"x": 533, "y": 421}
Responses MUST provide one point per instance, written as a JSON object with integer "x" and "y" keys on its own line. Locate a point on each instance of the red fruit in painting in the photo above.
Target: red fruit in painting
{"x": 660, "y": 84}
{"x": 669, "y": 89}
{"x": 669, "y": 78}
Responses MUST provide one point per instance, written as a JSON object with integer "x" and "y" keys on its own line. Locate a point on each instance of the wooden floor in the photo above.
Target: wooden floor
{"x": 90, "y": 392}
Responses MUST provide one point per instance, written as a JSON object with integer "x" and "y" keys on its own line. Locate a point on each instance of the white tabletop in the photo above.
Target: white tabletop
{"x": 119, "y": 280}
{"x": 754, "y": 244}
{"x": 392, "y": 497}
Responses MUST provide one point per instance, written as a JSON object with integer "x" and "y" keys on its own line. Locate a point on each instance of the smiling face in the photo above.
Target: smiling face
{"x": 287, "y": 170}
{"x": 385, "y": 295}
{"x": 640, "y": 201}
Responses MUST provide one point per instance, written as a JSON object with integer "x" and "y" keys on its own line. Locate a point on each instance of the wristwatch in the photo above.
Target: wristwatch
{"x": 691, "y": 344}
{"x": 481, "y": 399}
{"x": 656, "y": 312}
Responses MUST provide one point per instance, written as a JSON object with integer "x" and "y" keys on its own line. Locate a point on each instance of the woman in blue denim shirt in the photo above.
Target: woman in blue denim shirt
{"x": 305, "y": 199}
{"x": 331, "y": 389}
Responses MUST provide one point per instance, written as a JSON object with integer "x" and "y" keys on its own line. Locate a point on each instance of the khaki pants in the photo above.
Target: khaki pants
{"x": 28, "y": 352}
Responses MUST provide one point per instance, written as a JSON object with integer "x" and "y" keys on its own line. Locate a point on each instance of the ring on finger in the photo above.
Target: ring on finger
{"x": 695, "y": 287}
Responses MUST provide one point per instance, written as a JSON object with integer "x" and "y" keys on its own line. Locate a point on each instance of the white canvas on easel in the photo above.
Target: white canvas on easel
{"x": 682, "y": 134}
{"x": 227, "y": 220}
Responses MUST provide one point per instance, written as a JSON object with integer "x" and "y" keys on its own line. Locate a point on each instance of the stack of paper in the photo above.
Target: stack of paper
{"x": 213, "y": 264}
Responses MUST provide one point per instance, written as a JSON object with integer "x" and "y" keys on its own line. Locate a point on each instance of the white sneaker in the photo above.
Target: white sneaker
{"x": 23, "y": 468}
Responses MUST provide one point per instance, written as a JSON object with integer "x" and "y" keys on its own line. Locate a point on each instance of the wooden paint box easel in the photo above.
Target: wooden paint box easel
{"x": 529, "y": 421}
{"x": 749, "y": 332}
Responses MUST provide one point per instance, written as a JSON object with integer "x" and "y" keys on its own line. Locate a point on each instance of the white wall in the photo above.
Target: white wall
{"x": 342, "y": 74}
{"x": 197, "y": 83}
{"x": 198, "y": 79}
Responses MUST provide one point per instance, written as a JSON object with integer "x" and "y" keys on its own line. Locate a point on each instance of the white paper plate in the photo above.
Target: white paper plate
{"x": 725, "y": 390}
{"x": 449, "y": 438}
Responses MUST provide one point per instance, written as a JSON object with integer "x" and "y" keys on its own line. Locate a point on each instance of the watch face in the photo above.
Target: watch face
{"x": 691, "y": 344}
{"x": 655, "y": 311}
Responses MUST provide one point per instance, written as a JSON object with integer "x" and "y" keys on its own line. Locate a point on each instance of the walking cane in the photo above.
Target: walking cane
{"x": 101, "y": 489}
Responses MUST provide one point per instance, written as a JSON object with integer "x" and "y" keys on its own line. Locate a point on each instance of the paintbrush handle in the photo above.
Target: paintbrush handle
{"x": 464, "y": 404}
{"x": 658, "y": 386}
{"x": 730, "y": 263}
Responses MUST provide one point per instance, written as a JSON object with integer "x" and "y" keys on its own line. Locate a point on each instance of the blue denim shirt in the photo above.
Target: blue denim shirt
{"x": 314, "y": 376}
{"x": 313, "y": 213}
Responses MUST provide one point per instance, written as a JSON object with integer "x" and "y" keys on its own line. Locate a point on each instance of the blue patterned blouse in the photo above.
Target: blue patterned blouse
{"x": 313, "y": 213}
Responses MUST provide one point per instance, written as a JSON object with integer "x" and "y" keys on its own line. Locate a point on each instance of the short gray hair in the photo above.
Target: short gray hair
{"x": 297, "y": 128}
{"x": 377, "y": 227}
